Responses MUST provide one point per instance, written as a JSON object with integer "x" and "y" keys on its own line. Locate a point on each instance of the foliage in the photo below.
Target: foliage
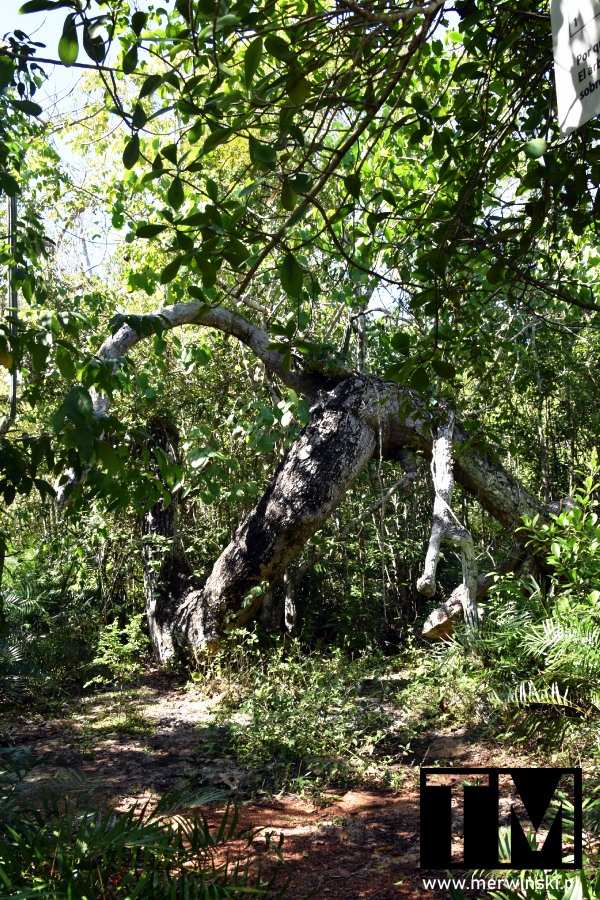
{"x": 271, "y": 162}
{"x": 571, "y": 541}
{"x": 120, "y": 655}
{"x": 538, "y": 650}
{"x": 120, "y": 652}
{"x": 298, "y": 712}
{"x": 56, "y": 846}
{"x": 40, "y": 650}
{"x": 63, "y": 582}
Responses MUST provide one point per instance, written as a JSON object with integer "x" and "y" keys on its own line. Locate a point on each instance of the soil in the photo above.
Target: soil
{"x": 356, "y": 843}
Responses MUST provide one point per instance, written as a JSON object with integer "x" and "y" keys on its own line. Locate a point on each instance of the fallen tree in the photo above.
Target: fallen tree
{"x": 353, "y": 418}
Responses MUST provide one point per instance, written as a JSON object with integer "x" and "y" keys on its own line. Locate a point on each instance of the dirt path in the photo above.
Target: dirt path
{"x": 359, "y": 843}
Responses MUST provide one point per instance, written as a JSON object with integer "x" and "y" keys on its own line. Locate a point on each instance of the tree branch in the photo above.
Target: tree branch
{"x": 224, "y": 320}
{"x": 389, "y": 18}
{"x": 445, "y": 526}
{"x": 414, "y": 46}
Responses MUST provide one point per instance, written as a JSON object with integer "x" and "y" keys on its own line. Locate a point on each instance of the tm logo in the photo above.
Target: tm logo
{"x": 464, "y": 810}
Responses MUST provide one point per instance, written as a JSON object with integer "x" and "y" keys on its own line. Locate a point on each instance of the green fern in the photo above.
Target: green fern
{"x": 56, "y": 847}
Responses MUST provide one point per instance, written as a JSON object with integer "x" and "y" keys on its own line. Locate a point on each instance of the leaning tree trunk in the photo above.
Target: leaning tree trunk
{"x": 446, "y": 527}
{"x": 308, "y": 485}
{"x": 166, "y": 570}
{"x": 354, "y": 416}
{"x": 349, "y": 422}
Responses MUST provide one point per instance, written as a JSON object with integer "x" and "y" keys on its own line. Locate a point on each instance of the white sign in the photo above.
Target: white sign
{"x": 576, "y": 36}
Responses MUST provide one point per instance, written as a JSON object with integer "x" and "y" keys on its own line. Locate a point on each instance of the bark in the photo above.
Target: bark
{"x": 167, "y": 573}
{"x": 446, "y": 527}
{"x": 308, "y": 485}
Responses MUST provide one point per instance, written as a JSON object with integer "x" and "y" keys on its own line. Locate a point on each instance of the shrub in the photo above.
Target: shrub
{"x": 301, "y": 712}
{"x": 540, "y": 639}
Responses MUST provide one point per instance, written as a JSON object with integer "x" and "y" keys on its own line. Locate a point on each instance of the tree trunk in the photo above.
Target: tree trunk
{"x": 166, "y": 571}
{"x": 446, "y": 527}
{"x": 354, "y": 416}
{"x": 349, "y": 423}
{"x": 308, "y": 485}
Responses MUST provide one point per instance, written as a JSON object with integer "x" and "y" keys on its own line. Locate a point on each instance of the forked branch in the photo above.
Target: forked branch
{"x": 446, "y": 527}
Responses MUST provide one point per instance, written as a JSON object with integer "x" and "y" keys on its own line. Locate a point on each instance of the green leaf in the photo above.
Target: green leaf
{"x": 438, "y": 145}
{"x": 65, "y": 363}
{"x": 8, "y": 184}
{"x": 68, "y": 45}
{"x": 138, "y": 22}
{"x": 209, "y": 272}
{"x": 151, "y": 84}
{"x": 278, "y": 48}
{"x": 227, "y": 21}
{"x": 198, "y": 294}
{"x": 262, "y": 154}
{"x": 235, "y": 252}
{"x": 84, "y": 441}
{"x": 195, "y": 132}
{"x": 398, "y": 372}
{"x": 291, "y": 275}
{"x": 26, "y": 106}
{"x": 169, "y": 273}
{"x": 216, "y": 137}
{"x": 289, "y": 198}
{"x": 131, "y": 153}
{"x": 535, "y": 148}
{"x": 400, "y": 342}
{"x": 444, "y": 369}
{"x": 468, "y": 70}
{"x": 108, "y": 457}
{"x": 352, "y": 185}
{"x": 169, "y": 151}
{"x": 7, "y": 68}
{"x": 45, "y": 489}
{"x": 420, "y": 379}
{"x": 176, "y": 194}
{"x": 418, "y": 102}
{"x": 299, "y": 90}
{"x": 186, "y": 9}
{"x": 139, "y": 117}
{"x": 301, "y": 183}
{"x": 150, "y": 231}
{"x": 495, "y": 273}
{"x": 77, "y": 407}
{"x": 93, "y": 44}
{"x": 130, "y": 60}
{"x": 252, "y": 58}
{"x": 42, "y": 5}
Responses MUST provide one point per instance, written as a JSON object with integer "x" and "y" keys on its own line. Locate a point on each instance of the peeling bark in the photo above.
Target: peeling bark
{"x": 446, "y": 527}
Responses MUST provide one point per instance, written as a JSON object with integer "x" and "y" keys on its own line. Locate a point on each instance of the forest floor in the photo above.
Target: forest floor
{"x": 358, "y": 841}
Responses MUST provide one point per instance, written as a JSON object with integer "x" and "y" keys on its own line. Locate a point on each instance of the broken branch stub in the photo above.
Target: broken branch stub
{"x": 446, "y": 527}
